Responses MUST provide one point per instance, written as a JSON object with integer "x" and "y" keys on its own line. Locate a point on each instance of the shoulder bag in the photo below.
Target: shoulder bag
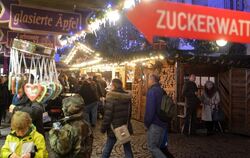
{"x": 122, "y": 133}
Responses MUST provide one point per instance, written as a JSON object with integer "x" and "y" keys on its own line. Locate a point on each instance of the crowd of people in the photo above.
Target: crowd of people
{"x": 72, "y": 136}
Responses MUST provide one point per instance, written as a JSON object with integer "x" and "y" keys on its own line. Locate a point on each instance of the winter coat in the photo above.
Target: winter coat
{"x": 209, "y": 104}
{"x": 33, "y": 108}
{"x": 153, "y": 103}
{"x": 188, "y": 91}
{"x": 88, "y": 92}
{"x": 75, "y": 138}
{"x": 101, "y": 87}
{"x": 5, "y": 95}
{"x": 33, "y": 142}
{"x": 117, "y": 112}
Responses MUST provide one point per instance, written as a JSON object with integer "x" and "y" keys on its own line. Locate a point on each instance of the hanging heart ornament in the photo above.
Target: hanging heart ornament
{"x": 33, "y": 91}
{"x": 50, "y": 91}
{"x": 42, "y": 94}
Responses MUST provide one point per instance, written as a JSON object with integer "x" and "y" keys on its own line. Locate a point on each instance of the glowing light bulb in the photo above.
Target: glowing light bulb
{"x": 221, "y": 42}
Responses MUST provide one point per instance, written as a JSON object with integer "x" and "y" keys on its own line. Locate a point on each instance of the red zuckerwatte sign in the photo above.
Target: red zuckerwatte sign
{"x": 170, "y": 19}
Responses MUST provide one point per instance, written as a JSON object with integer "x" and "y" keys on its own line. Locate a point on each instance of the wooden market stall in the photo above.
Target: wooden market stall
{"x": 232, "y": 79}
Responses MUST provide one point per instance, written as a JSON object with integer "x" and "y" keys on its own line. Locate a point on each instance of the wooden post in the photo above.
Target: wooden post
{"x": 246, "y": 98}
{"x": 5, "y": 65}
{"x": 230, "y": 99}
{"x": 177, "y": 87}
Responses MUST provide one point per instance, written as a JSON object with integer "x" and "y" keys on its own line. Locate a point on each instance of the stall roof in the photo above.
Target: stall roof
{"x": 227, "y": 60}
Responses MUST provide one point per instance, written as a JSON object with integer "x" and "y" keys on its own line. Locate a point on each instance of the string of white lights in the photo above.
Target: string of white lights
{"x": 78, "y": 46}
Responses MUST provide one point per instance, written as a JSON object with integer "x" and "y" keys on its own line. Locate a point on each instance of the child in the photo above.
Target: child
{"x": 23, "y": 141}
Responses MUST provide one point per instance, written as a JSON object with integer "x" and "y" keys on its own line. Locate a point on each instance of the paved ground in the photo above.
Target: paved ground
{"x": 217, "y": 146}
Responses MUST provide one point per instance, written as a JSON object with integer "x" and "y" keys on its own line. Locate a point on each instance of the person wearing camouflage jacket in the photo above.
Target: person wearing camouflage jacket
{"x": 73, "y": 137}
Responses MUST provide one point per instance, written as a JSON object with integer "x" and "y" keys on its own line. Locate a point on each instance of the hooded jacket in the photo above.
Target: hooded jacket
{"x": 75, "y": 138}
{"x": 117, "y": 111}
{"x": 33, "y": 142}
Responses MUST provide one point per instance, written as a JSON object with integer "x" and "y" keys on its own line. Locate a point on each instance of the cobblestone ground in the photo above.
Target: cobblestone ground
{"x": 217, "y": 146}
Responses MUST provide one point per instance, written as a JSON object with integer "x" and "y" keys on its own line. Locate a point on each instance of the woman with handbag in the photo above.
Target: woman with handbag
{"x": 210, "y": 102}
{"x": 116, "y": 121}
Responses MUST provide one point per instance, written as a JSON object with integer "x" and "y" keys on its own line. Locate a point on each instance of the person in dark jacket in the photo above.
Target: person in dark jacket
{"x": 5, "y": 98}
{"x": 101, "y": 89}
{"x": 101, "y": 85}
{"x": 72, "y": 137}
{"x": 190, "y": 91}
{"x": 88, "y": 92}
{"x": 155, "y": 127}
{"x": 117, "y": 112}
{"x": 21, "y": 102}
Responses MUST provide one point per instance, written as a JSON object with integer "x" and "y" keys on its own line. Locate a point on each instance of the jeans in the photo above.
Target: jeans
{"x": 190, "y": 121}
{"x": 155, "y": 136}
{"x": 91, "y": 113}
{"x": 110, "y": 144}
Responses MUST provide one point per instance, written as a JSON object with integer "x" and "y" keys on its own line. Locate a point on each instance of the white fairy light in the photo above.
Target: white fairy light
{"x": 128, "y": 4}
{"x": 113, "y": 16}
{"x": 78, "y": 46}
{"x": 72, "y": 39}
{"x": 84, "y": 64}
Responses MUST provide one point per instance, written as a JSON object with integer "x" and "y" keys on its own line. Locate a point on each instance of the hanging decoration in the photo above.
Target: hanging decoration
{"x": 110, "y": 16}
{"x": 40, "y": 80}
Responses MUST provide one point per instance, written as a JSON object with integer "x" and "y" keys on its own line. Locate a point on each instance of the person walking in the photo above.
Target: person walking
{"x": 190, "y": 92}
{"x": 117, "y": 112}
{"x": 155, "y": 127}
{"x": 101, "y": 85}
{"x": 88, "y": 92}
{"x": 101, "y": 90}
{"x": 72, "y": 137}
{"x": 23, "y": 141}
{"x": 210, "y": 102}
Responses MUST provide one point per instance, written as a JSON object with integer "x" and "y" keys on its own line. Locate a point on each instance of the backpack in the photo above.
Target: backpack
{"x": 168, "y": 109}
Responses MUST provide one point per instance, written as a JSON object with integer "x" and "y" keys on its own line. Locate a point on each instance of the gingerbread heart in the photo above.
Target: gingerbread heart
{"x": 32, "y": 91}
{"x": 58, "y": 91}
{"x": 42, "y": 94}
{"x": 50, "y": 91}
